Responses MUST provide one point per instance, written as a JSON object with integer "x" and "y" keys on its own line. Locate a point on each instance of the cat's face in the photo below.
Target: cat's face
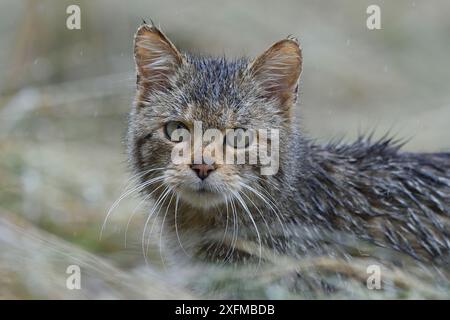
{"x": 196, "y": 95}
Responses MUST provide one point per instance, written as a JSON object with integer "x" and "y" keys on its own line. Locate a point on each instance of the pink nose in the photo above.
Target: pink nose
{"x": 202, "y": 170}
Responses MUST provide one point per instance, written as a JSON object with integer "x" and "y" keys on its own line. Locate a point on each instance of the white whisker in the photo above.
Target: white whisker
{"x": 123, "y": 196}
{"x": 176, "y": 227}
{"x": 244, "y": 206}
{"x": 162, "y": 229}
{"x": 144, "y": 251}
{"x": 135, "y": 210}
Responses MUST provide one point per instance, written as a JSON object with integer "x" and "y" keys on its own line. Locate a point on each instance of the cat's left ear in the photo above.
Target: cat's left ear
{"x": 157, "y": 59}
{"x": 277, "y": 71}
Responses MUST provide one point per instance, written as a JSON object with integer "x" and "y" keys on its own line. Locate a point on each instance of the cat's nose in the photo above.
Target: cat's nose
{"x": 202, "y": 170}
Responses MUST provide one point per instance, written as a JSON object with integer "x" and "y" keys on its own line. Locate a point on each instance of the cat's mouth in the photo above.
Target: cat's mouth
{"x": 203, "y": 187}
{"x": 201, "y": 195}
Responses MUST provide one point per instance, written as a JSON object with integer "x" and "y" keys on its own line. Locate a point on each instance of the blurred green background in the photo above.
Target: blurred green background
{"x": 64, "y": 96}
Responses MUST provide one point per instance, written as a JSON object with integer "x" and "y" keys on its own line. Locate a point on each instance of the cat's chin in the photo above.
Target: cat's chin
{"x": 203, "y": 199}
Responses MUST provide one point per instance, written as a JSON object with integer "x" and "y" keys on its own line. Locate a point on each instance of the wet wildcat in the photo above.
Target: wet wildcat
{"x": 324, "y": 200}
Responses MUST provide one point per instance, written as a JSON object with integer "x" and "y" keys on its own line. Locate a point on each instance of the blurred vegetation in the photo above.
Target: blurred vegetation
{"x": 64, "y": 95}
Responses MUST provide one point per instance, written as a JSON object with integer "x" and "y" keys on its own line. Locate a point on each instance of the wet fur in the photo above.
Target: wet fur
{"x": 322, "y": 200}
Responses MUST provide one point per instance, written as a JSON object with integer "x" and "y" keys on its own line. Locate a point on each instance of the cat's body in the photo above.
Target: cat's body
{"x": 322, "y": 200}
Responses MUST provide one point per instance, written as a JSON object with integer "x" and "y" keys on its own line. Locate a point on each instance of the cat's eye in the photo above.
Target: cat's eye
{"x": 239, "y": 138}
{"x": 170, "y": 130}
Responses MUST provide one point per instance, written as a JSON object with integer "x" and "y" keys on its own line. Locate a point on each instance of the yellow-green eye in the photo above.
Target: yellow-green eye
{"x": 239, "y": 138}
{"x": 171, "y": 127}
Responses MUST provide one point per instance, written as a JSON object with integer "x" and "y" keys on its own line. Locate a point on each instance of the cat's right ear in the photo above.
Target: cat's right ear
{"x": 156, "y": 58}
{"x": 278, "y": 70}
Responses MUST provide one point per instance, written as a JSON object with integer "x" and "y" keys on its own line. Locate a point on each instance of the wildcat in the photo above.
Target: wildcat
{"x": 323, "y": 200}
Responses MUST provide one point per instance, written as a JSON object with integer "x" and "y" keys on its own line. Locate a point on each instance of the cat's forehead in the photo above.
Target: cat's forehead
{"x": 212, "y": 80}
{"x": 215, "y": 92}
{"x": 212, "y": 91}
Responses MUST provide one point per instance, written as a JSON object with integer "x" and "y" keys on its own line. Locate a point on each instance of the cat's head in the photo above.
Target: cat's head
{"x": 178, "y": 92}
